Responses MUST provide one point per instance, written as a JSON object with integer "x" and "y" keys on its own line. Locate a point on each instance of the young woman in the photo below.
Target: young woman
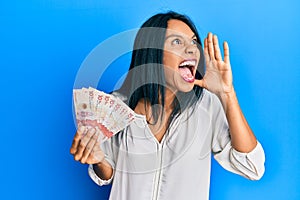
{"x": 182, "y": 118}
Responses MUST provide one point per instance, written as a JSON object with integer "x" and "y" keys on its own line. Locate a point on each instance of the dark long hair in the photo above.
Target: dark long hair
{"x": 146, "y": 78}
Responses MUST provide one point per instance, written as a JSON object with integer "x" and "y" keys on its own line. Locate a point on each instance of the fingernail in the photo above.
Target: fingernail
{"x": 72, "y": 151}
{"x": 76, "y": 157}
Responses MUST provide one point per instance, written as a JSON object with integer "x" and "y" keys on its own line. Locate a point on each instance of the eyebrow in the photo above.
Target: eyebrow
{"x": 176, "y": 35}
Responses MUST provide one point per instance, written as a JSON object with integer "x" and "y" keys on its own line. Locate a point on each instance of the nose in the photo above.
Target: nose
{"x": 191, "y": 49}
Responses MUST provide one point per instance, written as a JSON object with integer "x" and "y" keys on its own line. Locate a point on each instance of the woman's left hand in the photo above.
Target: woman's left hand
{"x": 218, "y": 75}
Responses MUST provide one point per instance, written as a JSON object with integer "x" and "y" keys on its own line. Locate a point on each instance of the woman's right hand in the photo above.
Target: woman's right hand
{"x": 86, "y": 146}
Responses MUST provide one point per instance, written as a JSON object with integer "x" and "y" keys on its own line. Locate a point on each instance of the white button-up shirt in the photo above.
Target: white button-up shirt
{"x": 179, "y": 166}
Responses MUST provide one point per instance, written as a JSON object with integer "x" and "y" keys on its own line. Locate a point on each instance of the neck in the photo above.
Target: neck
{"x": 169, "y": 97}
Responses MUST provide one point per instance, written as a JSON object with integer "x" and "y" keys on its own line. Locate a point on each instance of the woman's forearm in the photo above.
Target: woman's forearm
{"x": 103, "y": 170}
{"x": 242, "y": 137}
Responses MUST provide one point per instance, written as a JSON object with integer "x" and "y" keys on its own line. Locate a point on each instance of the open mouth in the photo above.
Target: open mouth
{"x": 186, "y": 70}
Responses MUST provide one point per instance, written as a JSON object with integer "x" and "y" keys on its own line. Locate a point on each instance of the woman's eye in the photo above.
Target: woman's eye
{"x": 194, "y": 41}
{"x": 176, "y": 42}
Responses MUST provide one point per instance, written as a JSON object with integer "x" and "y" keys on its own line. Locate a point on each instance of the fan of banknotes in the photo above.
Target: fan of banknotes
{"x": 104, "y": 111}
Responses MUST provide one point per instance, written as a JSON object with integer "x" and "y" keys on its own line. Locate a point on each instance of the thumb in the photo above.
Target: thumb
{"x": 200, "y": 83}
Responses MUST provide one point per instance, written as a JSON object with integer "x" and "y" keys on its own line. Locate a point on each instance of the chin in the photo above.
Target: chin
{"x": 177, "y": 83}
{"x": 185, "y": 87}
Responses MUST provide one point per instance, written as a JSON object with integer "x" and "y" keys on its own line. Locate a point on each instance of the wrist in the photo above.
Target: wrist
{"x": 103, "y": 170}
{"x": 101, "y": 165}
{"x": 228, "y": 98}
{"x": 98, "y": 165}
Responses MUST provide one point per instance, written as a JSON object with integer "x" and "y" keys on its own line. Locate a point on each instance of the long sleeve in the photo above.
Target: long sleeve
{"x": 249, "y": 165}
{"x": 96, "y": 179}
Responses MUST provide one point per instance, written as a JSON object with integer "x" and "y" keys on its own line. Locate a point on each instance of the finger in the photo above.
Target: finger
{"x": 226, "y": 52}
{"x": 210, "y": 46}
{"x": 206, "y": 50}
{"x": 76, "y": 140}
{"x": 217, "y": 48}
{"x": 89, "y": 147}
{"x": 83, "y": 142}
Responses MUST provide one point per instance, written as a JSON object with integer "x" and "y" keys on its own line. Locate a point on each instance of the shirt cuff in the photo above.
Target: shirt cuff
{"x": 96, "y": 179}
{"x": 250, "y": 163}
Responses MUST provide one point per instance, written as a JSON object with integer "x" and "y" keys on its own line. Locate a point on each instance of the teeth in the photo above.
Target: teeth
{"x": 189, "y": 62}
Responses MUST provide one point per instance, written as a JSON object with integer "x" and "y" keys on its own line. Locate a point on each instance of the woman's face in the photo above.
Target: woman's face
{"x": 181, "y": 56}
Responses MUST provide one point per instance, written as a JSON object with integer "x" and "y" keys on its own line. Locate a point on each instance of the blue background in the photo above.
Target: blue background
{"x": 42, "y": 46}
